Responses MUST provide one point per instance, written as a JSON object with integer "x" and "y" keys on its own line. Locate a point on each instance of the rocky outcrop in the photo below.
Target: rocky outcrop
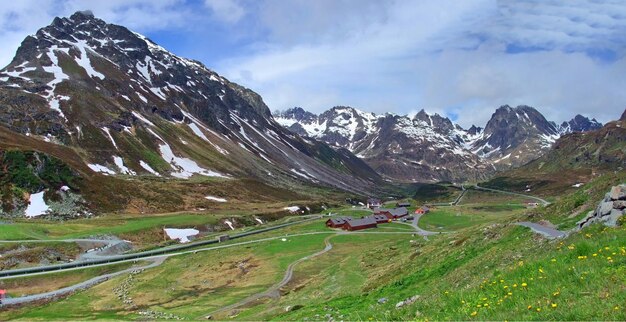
{"x": 609, "y": 210}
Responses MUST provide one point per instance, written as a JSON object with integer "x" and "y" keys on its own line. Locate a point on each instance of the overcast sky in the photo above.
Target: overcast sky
{"x": 461, "y": 59}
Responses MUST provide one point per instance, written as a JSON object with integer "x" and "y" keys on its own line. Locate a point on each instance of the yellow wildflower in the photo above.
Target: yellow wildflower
{"x": 524, "y": 284}
{"x": 509, "y": 293}
{"x": 554, "y": 305}
{"x": 594, "y": 255}
{"x": 553, "y": 260}
{"x": 474, "y": 313}
{"x": 538, "y": 309}
{"x": 505, "y": 287}
{"x": 541, "y": 270}
{"x": 530, "y": 307}
{"x": 514, "y": 285}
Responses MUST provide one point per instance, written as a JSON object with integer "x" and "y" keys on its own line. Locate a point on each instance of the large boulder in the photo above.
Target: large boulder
{"x": 618, "y": 192}
{"x": 609, "y": 210}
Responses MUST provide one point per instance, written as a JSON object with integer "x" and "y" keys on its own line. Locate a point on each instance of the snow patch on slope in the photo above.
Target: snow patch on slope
{"x": 100, "y": 168}
{"x": 37, "y": 206}
{"x": 119, "y": 162}
{"x": 181, "y": 234}
{"x": 216, "y": 199}
{"x": 184, "y": 167}
{"x": 148, "y": 168}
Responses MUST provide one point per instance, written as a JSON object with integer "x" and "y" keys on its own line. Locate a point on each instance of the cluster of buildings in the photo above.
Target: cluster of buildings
{"x": 380, "y": 216}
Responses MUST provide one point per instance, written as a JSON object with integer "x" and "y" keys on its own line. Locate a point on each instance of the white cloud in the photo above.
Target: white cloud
{"x": 449, "y": 57}
{"x": 229, "y": 11}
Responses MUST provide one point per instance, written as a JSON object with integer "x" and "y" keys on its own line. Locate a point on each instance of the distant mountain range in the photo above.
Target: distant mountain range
{"x": 431, "y": 147}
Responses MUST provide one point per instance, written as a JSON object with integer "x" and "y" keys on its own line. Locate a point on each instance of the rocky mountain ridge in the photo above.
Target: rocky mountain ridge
{"x": 432, "y": 147}
{"x": 419, "y": 148}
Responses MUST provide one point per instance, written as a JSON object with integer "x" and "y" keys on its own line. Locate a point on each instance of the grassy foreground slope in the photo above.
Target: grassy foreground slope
{"x": 497, "y": 271}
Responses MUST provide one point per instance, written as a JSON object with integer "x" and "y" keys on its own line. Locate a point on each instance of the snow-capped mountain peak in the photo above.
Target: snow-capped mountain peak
{"x": 430, "y": 146}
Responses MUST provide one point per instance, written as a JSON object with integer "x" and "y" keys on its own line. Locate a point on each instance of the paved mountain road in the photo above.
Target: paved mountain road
{"x": 80, "y": 286}
{"x": 547, "y": 232}
{"x": 274, "y": 291}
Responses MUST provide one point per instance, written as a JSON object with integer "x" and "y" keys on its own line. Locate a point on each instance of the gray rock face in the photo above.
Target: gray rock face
{"x": 619, "y": 204}
{"x": 609, "y": 210}
{"x": 612, "y": 218}
{"x": 604, "y": 208}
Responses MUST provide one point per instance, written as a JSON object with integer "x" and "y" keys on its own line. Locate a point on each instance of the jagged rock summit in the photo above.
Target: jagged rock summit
{"x": 580, "y": 124}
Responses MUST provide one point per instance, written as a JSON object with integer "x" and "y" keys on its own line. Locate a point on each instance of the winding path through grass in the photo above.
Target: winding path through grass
{"x": 274, "y": 291}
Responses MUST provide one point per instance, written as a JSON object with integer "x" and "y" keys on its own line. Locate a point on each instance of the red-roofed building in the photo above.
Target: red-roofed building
{"x": 359, "y": 224}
